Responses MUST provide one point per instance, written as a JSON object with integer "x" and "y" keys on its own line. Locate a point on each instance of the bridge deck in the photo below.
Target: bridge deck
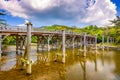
{"x": 20, "y": 32}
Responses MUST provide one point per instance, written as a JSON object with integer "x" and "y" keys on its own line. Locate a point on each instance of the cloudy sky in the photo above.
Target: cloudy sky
{"x": 62, "y": 12}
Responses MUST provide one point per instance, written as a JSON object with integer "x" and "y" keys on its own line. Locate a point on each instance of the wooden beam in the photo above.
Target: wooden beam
{"x": 63, "y": 45}
{"x": 84, "y": 45}
{"x": 103, "y": 42}
{"x": 28, "y": 48}
{"x": 0, "y": 45}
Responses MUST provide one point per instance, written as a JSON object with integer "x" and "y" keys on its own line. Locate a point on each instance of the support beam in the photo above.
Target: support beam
{"x": 113, "y": 40}
{"x": 107, "y": 42}
{"x": 96, "y": 43}
{"x": 48, "y": 43}
{"x": 17, "y": 44}
{"x": 81, "y": 42}
{"x": 103, "y": 42}
{"x": 57, "y": 42}
{"x": 90, "y": 41}
{"x": 21, "y": 43}
{"x": 43, "y": 43}
{"x": 0, "y": 44}
{"x": 84, "y": 45}
{"x": 63, "y": 46}
{"x": 38, "y": 43}
{"x": 73, "y": 44}
{"x": 28, "y": 47}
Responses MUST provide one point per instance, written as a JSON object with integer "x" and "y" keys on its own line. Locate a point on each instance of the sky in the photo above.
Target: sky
{"x": 78, "y": 13}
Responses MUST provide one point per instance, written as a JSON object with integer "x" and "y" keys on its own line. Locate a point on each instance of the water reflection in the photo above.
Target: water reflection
{"x": 102, "y": 66}
{"x": 83, "y": 66}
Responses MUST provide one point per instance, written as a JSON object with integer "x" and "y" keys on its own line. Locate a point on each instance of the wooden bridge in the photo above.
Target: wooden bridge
{"x": 46, "y": 40}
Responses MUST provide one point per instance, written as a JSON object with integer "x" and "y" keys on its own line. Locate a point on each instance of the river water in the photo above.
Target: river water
{"x": 105, "y": 65}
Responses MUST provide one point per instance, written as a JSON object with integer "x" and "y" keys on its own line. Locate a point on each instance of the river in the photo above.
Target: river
{"x": 105, "y": 65}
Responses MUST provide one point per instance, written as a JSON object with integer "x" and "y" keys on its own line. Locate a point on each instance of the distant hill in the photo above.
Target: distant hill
{"x": 59, "y": 27}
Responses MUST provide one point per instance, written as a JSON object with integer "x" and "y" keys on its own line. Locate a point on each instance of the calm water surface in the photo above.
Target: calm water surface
{"x": 103, "y": 66}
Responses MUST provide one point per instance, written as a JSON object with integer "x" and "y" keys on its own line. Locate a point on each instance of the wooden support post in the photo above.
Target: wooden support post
{"x": 90, "y": 41}
{"x": 0, "y": 44}
{"x": 73, "y": 44}
{"x": 107, "y": 42}
{"x": 63, "y": 46}
{"x": 80, "y": 42}
{"x": 28, "y": 47}
{"x": 17, "y": 44}
{"x": 84, "y": 45}
{"x": 38, "y": 43}
{"x": 103, "y": 42}
{"x": 77, "y": 42}
{"x": 52, "y": 42}
{"x": 96, "y": 43}
{"x": 43, "y": 43}
{"x": 57, "y": 44}
{"x": 21, "y": 44}
{"x": 113, "y": 40}
{"x": 48, "y": 43}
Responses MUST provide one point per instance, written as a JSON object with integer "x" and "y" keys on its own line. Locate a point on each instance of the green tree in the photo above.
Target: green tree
{"x": 116, "y": 23}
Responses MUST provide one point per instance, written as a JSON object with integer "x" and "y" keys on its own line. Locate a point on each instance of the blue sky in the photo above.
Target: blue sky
{"x": 117, "y": 3}
{"x": 62, "y": 12}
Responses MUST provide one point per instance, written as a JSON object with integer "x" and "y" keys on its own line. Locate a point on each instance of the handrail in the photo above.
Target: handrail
{"x": 20, "y": 29}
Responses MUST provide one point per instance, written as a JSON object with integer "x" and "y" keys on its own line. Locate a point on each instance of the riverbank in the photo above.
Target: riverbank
{"x": 110, "y": 46}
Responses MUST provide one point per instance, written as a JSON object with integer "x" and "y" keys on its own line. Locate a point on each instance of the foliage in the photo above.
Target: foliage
{"x": 10, "y": 40}
{"x": 92, "y": 30}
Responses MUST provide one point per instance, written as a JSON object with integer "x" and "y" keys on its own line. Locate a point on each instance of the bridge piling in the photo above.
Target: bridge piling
{"x": 113, "y": 39}
{"x": 63, "y": 46}
{"x": 38, "y": 43}
{"x": 57, "y": 42}
{"x": 73, "y": 44}
{"x": 43, "y": 43}
{"x": 17, "y": 44}
{"x": 81, "y": 42}
{"x": 48, "y": 43}
{"x": 107, "y": 42}
{"x": 96, "y": 43}
{"x": 0, "y": 45}
{"x": 84, "y": 45}
{"x": 103, "y": 42}
{"x": 28, "y": 47}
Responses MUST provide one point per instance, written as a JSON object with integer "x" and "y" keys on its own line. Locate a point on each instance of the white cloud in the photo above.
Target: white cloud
{"x": 14, "y": 8}
{"x": 96, "y": 12}
{"x": 100, "y": 13}
{"x": 21, "y": 25}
